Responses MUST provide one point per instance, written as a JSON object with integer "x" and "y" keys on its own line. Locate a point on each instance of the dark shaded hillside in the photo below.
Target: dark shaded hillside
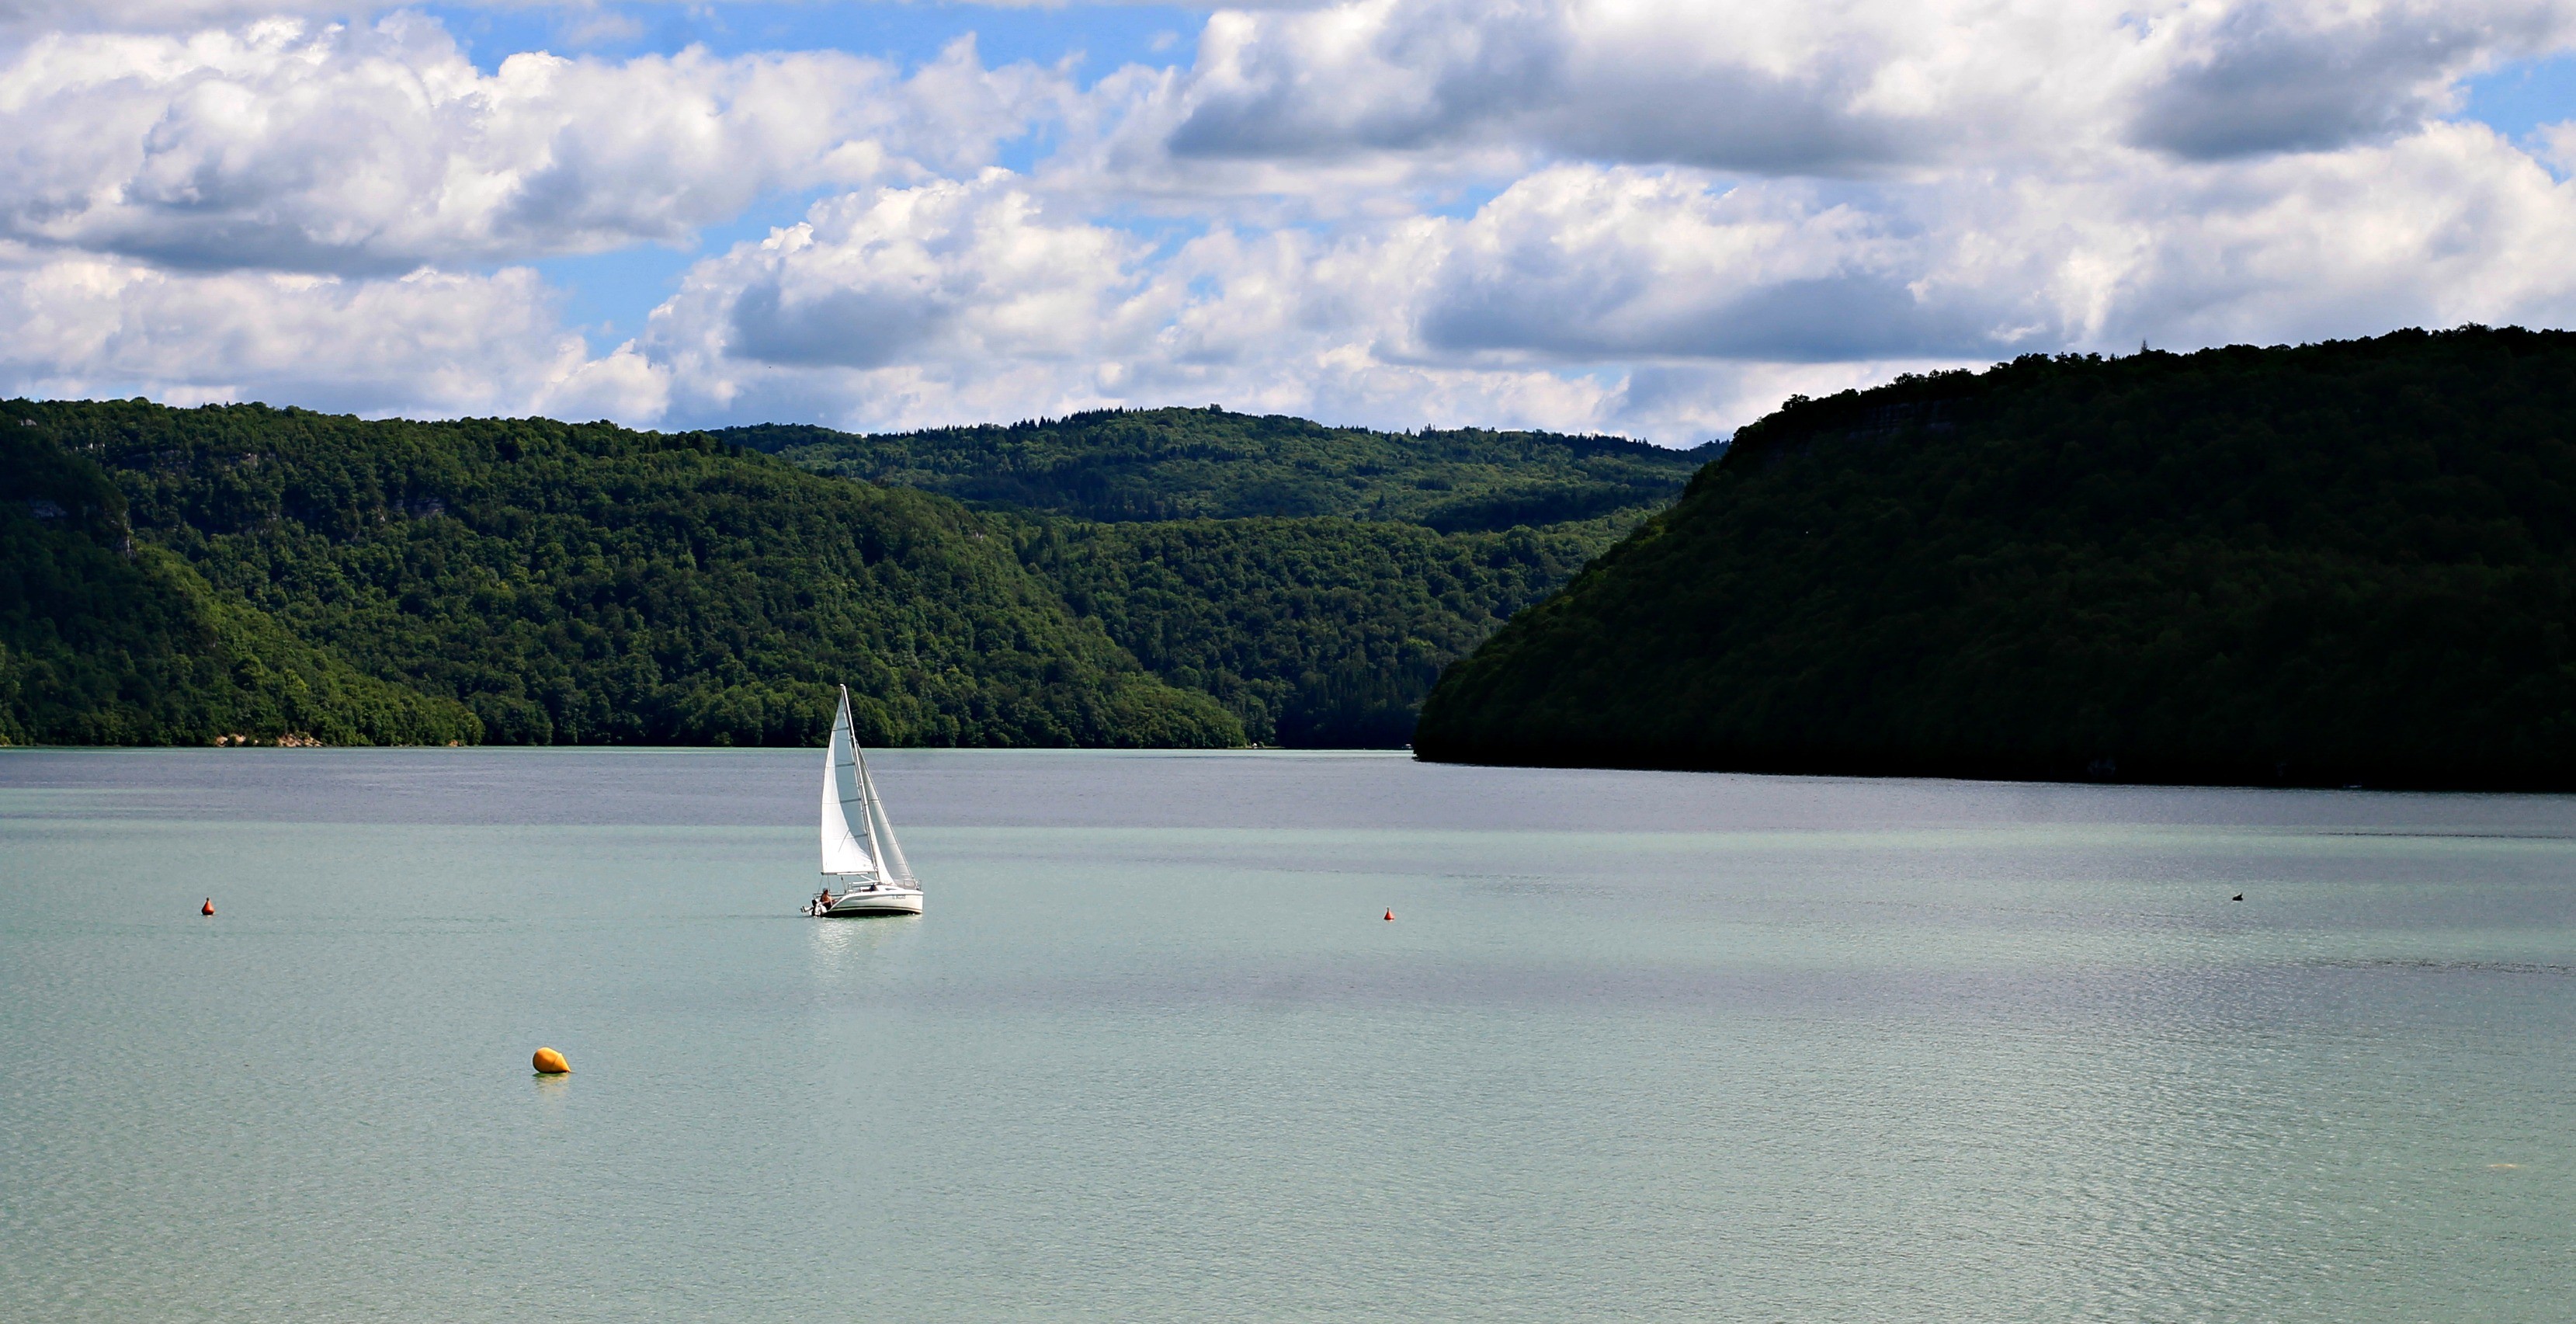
{"x": 2351, "y": 562}
{"x": 1161, "y": 464}
{"x": 102, "y": 642}
{"x": 592, "y": 584}
{"x": 1316, "y": 633}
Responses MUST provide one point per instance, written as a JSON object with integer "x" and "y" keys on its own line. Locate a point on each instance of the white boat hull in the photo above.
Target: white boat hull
{"x": 862, "y": 901}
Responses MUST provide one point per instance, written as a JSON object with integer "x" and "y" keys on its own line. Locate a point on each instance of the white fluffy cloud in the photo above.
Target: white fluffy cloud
{"x": 1652, "y": 216}
{"x": 423, "y": 344}
{"x": 962, "y": 301}
{"x": 910, "y": 295}
{"x": 379, "y": 148}
{"x": 1832, "y": 87}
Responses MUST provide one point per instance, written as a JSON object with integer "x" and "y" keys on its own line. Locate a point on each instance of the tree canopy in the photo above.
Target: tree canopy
{"x": 1316, "y": 633}
{"x": 587, "y": 583}
{"x": 1314, "y": 579}
{"x": 277, "y": 573}
{"x": 2347, "y": 562}
{"x": 1163, "y": 464}
{"x": 103, "y": 643}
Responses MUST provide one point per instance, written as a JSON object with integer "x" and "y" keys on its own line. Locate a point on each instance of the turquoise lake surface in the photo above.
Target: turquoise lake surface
{"x": 1635, "y": 1046}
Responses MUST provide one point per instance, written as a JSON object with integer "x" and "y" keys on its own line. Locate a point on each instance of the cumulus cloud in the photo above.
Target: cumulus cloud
{"x": 379, "y": 148}
{"x": 1651, "y": 216}
{"x": 897, "y": 289}
{"x": 1663, "y": 303}
{"x": 426, "y": 344}
{"x": 1588, "y": 263}
{"x": 2446, "y": 225}
{"x": 1836, "y": 87}
{"x": 2265, "y": 77}
{"x": 2557, "y": 145}
{"x": 1651, "y": 300}
{"x": 2450, "y": 225}
{"x": 963, "y": 301}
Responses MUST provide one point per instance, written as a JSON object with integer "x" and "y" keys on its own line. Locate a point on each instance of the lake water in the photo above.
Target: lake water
{"x": 1636, "y": 1045}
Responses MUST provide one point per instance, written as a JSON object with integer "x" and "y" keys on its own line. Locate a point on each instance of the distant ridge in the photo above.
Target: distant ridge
{"x": 1121, "y": 465}
{"x": 2342, "y": 563}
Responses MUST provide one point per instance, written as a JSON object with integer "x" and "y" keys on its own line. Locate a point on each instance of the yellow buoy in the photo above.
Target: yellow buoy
{"x": 551, "y": 1063}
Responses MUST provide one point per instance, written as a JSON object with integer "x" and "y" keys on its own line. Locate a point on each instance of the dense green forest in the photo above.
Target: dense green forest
{"x": 2342, "y": 563}
{"x": 105, "y": 643}
{"x": 582, "y": 584}
{"x": 1165, "y": 464}
{"x": 1315, "y": 633}
{"x": 182, "y": 575}
{"x": 1313, "y": 579}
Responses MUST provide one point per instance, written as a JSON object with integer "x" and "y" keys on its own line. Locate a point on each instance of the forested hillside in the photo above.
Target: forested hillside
{"x": 240, "y": 571}
{"x": 575, "y": 584}
{"x": 105, "y": 643}
{"x": 1163, "y": 464}
{"x": 1315, "y": 633}
{"x": 1313, "y": 579}
{"x": 2350, "y": 562}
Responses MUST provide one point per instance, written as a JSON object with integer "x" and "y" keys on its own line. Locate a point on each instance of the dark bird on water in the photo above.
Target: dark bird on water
{"x": 2238, "y": 897}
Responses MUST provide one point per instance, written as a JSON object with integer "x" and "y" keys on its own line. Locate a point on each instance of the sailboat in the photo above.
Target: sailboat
{"x": 864, "y": 872}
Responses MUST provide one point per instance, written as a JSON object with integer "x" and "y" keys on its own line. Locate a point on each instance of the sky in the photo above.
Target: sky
{"x": 1657, "y": 218}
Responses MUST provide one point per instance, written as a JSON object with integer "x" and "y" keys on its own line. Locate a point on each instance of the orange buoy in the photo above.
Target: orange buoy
{"x": 1390, "y": 914}
{"x": 548, "y": 1062}
{"x": 208, "y": 908}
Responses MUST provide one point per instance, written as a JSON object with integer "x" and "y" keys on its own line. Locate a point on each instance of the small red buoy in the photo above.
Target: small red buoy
{"x": 1390, "y": 914}
{"x": 209, "y": 908}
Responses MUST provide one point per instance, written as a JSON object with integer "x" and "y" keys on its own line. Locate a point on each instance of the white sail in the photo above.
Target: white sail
{"x": 898, "y": 869}
{"x": 843, "y": 790}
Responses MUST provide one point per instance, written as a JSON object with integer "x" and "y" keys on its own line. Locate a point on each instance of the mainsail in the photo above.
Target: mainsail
{"x": 844, "y": 800}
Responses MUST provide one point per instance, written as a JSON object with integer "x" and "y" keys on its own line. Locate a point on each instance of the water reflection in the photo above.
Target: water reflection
{"x": 869, "y": 950}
